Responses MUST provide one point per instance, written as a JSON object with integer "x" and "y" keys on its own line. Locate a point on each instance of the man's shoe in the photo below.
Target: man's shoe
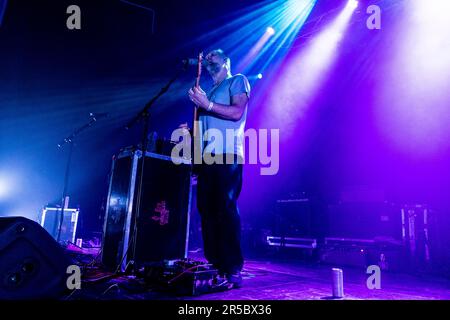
{"x": 221, "y": 282}
{"x": 235, "y": 279}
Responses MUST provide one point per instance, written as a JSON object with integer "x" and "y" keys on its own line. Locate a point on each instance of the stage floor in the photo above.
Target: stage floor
{"x": 290, "y": 281}
{"x": 293, "y": 280}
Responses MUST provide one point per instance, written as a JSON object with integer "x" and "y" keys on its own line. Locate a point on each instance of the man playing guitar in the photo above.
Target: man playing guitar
{"x": 223, "y": 108}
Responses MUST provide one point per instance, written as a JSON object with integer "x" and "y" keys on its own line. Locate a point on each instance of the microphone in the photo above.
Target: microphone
{"x": 193, "y": 62}
{"x": 98, "y": 115}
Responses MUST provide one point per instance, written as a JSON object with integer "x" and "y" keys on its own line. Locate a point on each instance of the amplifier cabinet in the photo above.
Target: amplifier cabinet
{"x": 161, "y": 231}
{"x": 293, "y": 218}
{"x": 50, "y": 220}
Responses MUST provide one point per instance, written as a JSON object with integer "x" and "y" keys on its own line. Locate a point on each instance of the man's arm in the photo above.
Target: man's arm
{"x": 231, "y": 112}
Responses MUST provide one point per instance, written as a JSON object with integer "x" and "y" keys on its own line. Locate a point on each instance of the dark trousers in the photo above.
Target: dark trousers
{"x": 218, "y": 188}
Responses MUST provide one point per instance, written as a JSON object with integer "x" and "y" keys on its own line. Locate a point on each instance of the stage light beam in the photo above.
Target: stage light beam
{"x": 304, "y": 72}
{"x": 278, "y": 23}
{"x": 413, "y": 105}
{"x": 253, "y": 53}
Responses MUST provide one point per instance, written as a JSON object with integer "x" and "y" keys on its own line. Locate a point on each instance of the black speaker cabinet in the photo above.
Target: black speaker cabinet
{"x": 293, "y": 217}
{"x": 161, "y": 231}
{"x": 32, "y": 264}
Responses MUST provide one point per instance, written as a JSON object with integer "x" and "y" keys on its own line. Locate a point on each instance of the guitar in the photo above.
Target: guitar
{"x": 197, "y": 85}
{"x": 195, "y": 127}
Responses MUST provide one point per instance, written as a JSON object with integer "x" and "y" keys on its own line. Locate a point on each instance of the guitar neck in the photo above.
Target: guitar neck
{"x": 197, "y": 85}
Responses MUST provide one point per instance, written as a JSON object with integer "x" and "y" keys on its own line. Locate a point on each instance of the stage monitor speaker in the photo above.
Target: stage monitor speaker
{"x": 32, "y": 264}
{"x": 163, "y": 224}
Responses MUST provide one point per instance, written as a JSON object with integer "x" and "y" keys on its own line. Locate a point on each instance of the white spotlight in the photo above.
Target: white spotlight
{"x": 5, "y": 186}
{"x": 352, "y": 4}
{"x": 270, "y": 31}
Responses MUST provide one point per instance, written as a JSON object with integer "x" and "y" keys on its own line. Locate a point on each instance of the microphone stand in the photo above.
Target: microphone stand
{"x": 70, "y": 141}
{"x": 144, "y": 116}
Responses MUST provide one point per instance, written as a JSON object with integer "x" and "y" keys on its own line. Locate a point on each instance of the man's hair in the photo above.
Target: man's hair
{"x": 225, "y": 58}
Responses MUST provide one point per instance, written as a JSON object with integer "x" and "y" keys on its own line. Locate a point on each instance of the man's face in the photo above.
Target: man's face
{"x": 215, "y": 62}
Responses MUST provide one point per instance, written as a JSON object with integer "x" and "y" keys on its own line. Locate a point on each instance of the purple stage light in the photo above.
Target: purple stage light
{"x": 353, "y": 4}
{"x": 412, "y": 105}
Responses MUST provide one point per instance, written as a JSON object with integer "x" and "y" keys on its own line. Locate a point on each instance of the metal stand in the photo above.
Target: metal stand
{"x": 70, "y": 141}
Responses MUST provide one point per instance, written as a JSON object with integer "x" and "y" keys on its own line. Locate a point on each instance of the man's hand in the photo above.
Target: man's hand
{"x": 185, "y": 127}
{"x": 198, "y": 97}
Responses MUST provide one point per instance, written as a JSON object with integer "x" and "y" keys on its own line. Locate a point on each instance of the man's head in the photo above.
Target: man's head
{"x": 218, "y": 61}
